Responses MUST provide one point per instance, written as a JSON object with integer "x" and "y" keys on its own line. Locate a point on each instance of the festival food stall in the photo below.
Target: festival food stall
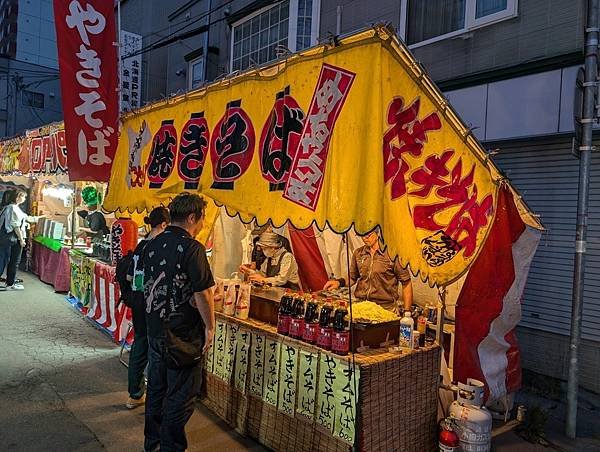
{"x": 58, "y": 254}
{"x": 356, "y": 135}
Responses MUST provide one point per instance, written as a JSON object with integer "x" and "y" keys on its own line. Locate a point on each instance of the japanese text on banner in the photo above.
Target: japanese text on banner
{"x": 346, "y": 389}
{"x": 241, "y": 359}
{"x": 288, "y": 371}
{"x": 326, "y": 396}
{"x": 219, "y": 354}
{"x": 271, "y": 378}
{"x": 230, "y": 349}
{"x": 257, "y": 364}
{"x": 87, "y": 57}
{"x": 307, "y": 383}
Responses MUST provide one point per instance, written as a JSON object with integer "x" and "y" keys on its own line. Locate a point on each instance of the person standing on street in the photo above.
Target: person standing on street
{"x": 178, "y": 289}
{"x": 133, "y": 296}
{"x": 15, "y": 223}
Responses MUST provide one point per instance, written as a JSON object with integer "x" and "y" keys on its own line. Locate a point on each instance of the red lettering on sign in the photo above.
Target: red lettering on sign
{"x": 455, "y": 191}
{"x": 407, "y": 135}
{"x": 231, "y": 146}
{"x": 193, "y": 149}
{"x": 307, "y": 173}
{"x": 280, "y": 139}
{"x": 162, "y": 157}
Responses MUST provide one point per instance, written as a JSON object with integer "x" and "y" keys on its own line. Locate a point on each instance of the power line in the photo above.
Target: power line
{"x": 173, "y": 37}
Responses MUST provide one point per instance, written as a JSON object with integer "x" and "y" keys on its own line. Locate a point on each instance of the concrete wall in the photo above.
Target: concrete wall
{"x": 542, "y": 29}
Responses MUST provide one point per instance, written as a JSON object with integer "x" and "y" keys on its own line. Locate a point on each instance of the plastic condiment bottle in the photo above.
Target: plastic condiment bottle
{"x": 285, "y": 313}
{"x": 325, "y": 329}
{"x": 297, "y": 320}
{"x": 407, "y": 325}
{"x": 340, "y": 341}
{"x": 311, "y": 322}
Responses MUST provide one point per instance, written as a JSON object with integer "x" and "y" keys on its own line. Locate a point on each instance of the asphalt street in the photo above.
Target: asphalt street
{"x": 62, "y": 387}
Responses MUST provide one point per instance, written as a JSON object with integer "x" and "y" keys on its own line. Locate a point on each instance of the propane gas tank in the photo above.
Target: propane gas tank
{"x": 472, "y": 421}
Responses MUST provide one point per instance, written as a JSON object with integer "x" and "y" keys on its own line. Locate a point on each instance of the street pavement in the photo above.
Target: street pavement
{"x": 62, "y": 387}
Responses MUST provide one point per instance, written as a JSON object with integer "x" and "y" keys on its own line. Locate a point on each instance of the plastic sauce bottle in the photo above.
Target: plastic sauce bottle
{"x": 340, "y": 341}
{"x": 311, "y": 322}
{"x": 325, "y": 329}
{"x": 285, "y": 312}
{"x": 297, "y": 320}
{"x": 407, "y": 325}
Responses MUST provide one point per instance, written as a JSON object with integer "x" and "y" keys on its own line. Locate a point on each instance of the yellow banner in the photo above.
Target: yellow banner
{"x": 10, "y": 151}
{"x": 350, "y": 135}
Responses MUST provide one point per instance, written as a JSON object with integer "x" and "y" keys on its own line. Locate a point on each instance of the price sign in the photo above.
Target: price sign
{"x": 288, "y": 372}
{"x": 242, "y": 358}
{"x": 307, "y": 383}
{"x": 346, "y": 389}
{"x": 271, "y": 389}
{"x": 257, "y": 364}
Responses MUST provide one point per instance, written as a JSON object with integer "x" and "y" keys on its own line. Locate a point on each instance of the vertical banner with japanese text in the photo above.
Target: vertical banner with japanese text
{"x": 87, "y": 55}
{"x": 131, "y": 70}
{"x": 257, "y": 364}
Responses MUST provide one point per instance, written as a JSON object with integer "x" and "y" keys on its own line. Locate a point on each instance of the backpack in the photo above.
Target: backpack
{"x": 121, "y": 272}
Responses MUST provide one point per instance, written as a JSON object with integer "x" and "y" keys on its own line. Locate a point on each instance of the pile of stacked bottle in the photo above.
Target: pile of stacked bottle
{"x": 325, "y": 324}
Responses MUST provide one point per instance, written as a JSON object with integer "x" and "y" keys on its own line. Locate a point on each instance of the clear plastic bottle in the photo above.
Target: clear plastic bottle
{"x": 407, "y": 325}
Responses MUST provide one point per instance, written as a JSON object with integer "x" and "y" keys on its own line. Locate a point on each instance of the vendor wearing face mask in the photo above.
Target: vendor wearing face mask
{"x": 280, "y": 268}
{"x": 377, "y": 277}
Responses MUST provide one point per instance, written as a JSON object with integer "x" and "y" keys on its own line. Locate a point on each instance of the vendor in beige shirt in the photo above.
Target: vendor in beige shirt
{"x": 377, "y": 277}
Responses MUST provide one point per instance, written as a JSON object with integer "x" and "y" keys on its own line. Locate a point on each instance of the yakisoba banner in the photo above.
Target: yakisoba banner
{"x": 349, "y": 135}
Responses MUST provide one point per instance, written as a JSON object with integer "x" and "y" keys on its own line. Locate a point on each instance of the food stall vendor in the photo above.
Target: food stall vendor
{"x": 280, "y": 267}
{"x": 95, "y": 222}
{"x": 377, "y": 277}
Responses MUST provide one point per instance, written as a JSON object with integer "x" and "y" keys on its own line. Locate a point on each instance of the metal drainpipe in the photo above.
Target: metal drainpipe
{"x": 590, "y": 84}
{"x": 206, "y": 42}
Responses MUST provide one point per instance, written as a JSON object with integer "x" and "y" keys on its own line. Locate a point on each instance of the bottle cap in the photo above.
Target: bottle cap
{"x": 407, "y": 314}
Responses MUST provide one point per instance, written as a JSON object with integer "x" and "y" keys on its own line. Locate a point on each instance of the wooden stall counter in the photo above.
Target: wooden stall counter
{"x": 292, "y": 396}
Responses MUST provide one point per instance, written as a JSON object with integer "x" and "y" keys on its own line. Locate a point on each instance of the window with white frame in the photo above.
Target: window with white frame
{"x": 195, "y": 73}
{"x": 264, "y": 35}
{"x": 431, "y": 20}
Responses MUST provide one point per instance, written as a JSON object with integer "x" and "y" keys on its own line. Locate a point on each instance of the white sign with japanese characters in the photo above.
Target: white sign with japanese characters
{"x": 131, "y": 71}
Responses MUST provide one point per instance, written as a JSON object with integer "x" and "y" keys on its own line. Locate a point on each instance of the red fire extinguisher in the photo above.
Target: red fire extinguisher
{"x": 124, "y": 238}
{"x": 448, "y": 440}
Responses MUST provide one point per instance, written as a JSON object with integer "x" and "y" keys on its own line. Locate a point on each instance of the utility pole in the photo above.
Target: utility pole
{"x": 18, "y": 80}
{"x": 589, "y": 113}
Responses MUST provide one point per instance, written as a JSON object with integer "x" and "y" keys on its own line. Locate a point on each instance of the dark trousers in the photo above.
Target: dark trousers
{"x": 15, "y": 258}
{"x": 170, "y": 400}
{"x": 5, "y": 251}
{"x": 138, "y": 356}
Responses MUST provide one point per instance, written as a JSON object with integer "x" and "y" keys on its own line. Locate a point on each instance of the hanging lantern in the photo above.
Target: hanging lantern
{"x": 123, "y": 238}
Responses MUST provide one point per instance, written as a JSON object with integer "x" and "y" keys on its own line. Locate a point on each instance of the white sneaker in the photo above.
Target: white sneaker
{"x": 16, "y": 287}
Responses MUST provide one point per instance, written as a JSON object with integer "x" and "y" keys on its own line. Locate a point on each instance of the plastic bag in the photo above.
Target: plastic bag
{"x": 219, "y": 295}
{"x": 230, "y": 299}
{"x": 242, "y": 307}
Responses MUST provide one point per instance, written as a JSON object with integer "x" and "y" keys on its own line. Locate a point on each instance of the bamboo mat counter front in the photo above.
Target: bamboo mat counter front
{"x": 395, "y": 408}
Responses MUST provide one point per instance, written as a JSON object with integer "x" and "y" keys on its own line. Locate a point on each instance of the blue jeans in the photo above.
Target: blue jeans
{"x": 170, "y": 397}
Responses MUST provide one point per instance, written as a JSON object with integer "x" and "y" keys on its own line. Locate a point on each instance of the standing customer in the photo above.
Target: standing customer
{"x": 133, "y": 296}
{"x": 15, "y": 223}
{"x": 180, "y": 319}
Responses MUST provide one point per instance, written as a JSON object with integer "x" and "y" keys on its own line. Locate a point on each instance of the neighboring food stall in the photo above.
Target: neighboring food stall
{"x": 355, "y": 136}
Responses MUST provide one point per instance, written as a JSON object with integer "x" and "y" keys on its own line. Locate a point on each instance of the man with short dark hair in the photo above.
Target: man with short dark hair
{"x": 180, "y": 321}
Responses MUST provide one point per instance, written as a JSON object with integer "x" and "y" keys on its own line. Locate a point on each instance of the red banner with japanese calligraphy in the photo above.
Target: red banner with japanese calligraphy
{"x": 87, "y": 54}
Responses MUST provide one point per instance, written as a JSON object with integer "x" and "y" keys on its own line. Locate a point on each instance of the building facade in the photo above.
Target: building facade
{"x": 29, "y": 96}
{"x": 509, "y": 68}
{"x": 27, "y": 31}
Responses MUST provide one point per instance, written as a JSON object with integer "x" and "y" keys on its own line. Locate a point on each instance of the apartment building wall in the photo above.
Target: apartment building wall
{"x": 29, "y": 97}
